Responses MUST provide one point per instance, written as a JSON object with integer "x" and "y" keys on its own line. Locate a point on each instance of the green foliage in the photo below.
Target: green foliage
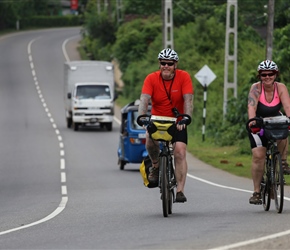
{"x": 282, "y": 13}
{"x": 100, "y": 27}
{"x": 99, "y": 32}
{"x": 199, "y": 39}
{"x": 282, "y": 52}
{"x": 13, "y": 10}
{"x": 185, "y": 11}
{"x": 50, "y": 21}
{"x": 141, "y": 7}
{"x": 253, "y": 12}
{"x": 133, "y": 39}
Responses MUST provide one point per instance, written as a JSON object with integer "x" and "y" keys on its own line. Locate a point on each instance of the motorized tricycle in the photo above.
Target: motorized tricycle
{"x": 132, "y": 140}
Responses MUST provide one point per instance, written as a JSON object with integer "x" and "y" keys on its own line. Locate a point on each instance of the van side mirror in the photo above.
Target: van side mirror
{"x": 69, "y": 95}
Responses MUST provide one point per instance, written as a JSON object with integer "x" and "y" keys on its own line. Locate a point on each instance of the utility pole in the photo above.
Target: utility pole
{"x": 167, "y": 15}
{"x": 119, "y": 11}
{"x": 99, "y": 6}
{"x": 231, "y": 52}
{"x": 270, "y": 28}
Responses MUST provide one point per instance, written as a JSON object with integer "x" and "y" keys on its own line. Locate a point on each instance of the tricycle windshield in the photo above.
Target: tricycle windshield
{"x": 134, "y": 121}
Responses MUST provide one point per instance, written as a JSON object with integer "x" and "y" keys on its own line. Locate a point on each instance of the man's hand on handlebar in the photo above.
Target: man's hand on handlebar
{"x": 182, "y": 123}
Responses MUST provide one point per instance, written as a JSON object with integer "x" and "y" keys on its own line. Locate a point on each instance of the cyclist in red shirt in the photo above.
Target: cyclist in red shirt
{"x": 169, "y": 90}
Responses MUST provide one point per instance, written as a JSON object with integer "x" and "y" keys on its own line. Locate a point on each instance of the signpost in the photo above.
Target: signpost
{"x": 205, "y": 76}
{"x": 74, "y": 6}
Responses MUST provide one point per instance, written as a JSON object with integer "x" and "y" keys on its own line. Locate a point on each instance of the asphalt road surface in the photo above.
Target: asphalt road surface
{"x": 61, "y": 189}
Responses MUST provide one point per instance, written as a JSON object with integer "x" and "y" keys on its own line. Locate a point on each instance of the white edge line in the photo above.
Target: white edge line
{"x": 57, "y": 211}
{"x": 248, "y": 242}
{"x": 63, "y": 47}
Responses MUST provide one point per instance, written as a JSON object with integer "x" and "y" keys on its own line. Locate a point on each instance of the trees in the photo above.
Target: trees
{"x": 13, "y": 10}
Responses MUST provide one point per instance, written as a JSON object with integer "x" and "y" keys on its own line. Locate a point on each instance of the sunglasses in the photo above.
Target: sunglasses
{"x": 269, "y": 74}
{"x": 168, "y": 63}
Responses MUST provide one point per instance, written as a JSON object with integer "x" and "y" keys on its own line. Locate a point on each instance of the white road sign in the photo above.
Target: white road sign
{"x": 205, "y": 76}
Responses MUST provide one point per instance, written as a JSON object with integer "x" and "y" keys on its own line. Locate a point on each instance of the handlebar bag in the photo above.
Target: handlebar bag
{"x": 144, "y": 171}
{"x": 276, "y": 131}
{"x": 162, "y": 128}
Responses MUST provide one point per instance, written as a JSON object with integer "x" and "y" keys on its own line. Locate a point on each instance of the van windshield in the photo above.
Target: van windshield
{"x": 93, "y": 92}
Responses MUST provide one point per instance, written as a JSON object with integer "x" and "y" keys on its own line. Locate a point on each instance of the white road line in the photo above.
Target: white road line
{"x": 63, "y": 47}
{"x": 63, "y": 190}
{"x": 62, "y": 164}
{"x": 61, "y": 145}
{"x": 249, "y": 242}
{"x": 57, "y": 211}
{"x": 63, "y": 177}
{"x": 64, "y": 198}
{"x": 223, "y": 186}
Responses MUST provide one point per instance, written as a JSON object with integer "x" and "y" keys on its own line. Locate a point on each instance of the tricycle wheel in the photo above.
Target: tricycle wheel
{"x": 122, "y": 164}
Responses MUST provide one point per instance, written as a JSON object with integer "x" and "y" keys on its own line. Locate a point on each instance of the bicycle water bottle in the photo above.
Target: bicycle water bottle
{"x": 261, "y": 132}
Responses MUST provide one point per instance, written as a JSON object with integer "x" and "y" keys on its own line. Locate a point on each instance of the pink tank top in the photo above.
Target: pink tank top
{"x": 267, "y": 109}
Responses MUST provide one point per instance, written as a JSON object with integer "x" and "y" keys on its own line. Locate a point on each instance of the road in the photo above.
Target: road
{"x": 61, "y": 189}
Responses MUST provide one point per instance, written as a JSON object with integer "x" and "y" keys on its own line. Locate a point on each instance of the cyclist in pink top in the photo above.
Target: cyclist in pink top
{"x": 266, "y": 98}
{"x": 169, "y": 89}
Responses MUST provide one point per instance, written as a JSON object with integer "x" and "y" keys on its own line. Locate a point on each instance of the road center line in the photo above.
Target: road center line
{"x": 64, "y": 198}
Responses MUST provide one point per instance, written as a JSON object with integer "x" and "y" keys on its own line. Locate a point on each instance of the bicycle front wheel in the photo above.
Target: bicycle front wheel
{"x": 165, "y": 195}
{"x": 278, "y": 183}
{"x": 266, "y": 187}
{"x": 266, "y": 195}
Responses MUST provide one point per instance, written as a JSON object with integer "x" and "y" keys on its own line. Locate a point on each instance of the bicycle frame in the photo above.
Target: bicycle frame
{"x": 167, "y": 181}
{"x": 167, "y": 152}
{"x": 273, "y": 182}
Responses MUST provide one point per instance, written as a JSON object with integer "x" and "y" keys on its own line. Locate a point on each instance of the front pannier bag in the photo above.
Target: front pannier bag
{"x": 276, "y": 127}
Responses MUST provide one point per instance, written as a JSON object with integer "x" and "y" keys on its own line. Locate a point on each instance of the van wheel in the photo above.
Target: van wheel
{"x": 76, "y": 126}
{"x": 109, "y": 126}
{"x": 68, "y": 122}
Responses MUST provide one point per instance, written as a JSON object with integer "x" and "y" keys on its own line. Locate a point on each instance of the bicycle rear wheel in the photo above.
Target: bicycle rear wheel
{"x": 165, "y": 194}
{"x": 278, "y": 183}
{"x": 266, "y": 188}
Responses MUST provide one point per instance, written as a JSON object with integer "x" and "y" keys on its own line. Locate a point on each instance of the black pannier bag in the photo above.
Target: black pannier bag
{"x": 276, "y": 131}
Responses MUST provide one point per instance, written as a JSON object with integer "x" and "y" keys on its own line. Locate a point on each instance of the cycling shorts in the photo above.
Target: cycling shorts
{"x": 180, "y": 136}
{"x": 257, "y": 141}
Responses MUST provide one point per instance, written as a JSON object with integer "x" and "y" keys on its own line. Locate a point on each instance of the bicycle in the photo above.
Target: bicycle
{"x": 272, "y": 185}
{"x": 162, "y": 128}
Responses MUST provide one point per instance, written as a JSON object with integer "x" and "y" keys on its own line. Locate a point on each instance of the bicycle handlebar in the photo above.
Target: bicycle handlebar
{"x": 144, "y": 120}
{"x": 261, "y": 122}
{"x": 257, "y": 127}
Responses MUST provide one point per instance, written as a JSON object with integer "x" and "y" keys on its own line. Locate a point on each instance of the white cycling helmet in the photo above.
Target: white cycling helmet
{"x": 267, "y": 65}
{"x": 168, "y": 54}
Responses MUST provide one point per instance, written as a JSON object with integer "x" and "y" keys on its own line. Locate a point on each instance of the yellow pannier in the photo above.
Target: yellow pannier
{"x": 162, "y": 128}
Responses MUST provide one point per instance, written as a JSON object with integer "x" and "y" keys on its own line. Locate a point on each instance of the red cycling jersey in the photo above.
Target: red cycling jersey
{"x": 161, "y": 90}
